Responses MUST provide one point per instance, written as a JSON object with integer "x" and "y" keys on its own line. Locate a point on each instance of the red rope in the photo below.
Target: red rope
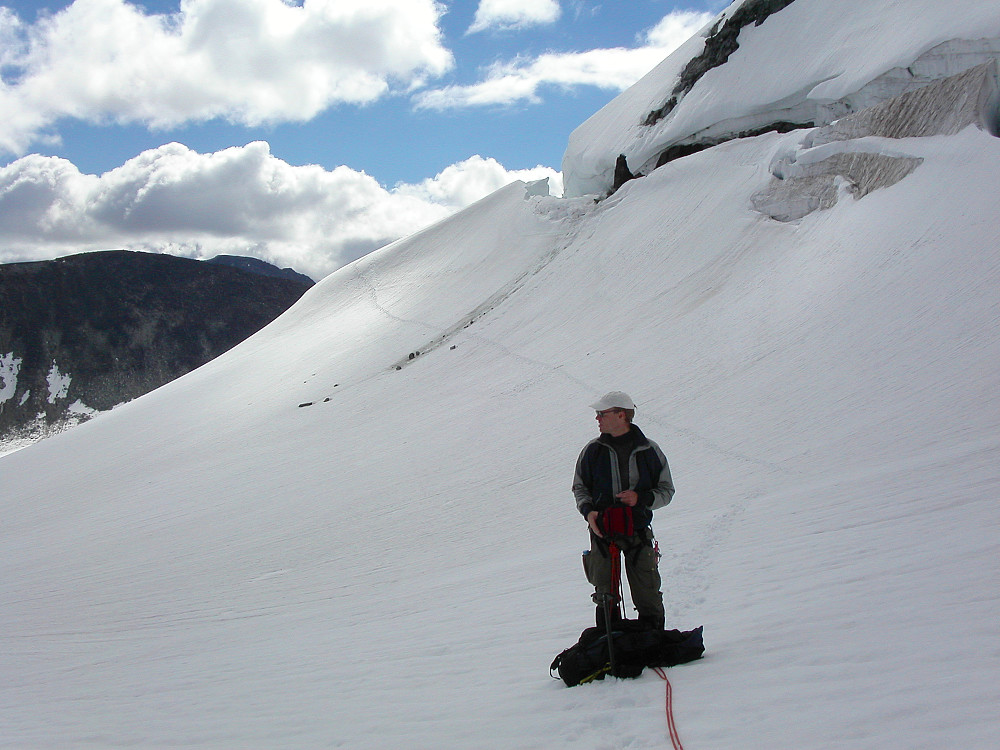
{"x": 675, "y": 738}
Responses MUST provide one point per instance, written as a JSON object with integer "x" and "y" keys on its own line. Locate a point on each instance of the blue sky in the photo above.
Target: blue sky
{"x": 407, "y": 109}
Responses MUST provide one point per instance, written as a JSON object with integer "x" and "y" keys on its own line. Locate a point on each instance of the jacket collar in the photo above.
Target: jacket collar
{"x": 635, "y": 433}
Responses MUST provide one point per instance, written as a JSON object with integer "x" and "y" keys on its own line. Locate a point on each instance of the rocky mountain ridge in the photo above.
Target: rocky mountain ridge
{"x": 83, "y": 333}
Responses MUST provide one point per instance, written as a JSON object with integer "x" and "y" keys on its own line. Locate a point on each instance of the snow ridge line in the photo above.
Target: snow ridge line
{"x": 504, "y": 293}
{"x": 557, "y": 212}
{"x": 443, "y": 335}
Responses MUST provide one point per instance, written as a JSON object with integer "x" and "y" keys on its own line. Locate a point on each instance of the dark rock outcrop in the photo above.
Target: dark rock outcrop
{"x": 622, "y": 173}
{"x": 722, "y": 41}
{"x": 86, "y": 332}
{"x": 680, "y": 150}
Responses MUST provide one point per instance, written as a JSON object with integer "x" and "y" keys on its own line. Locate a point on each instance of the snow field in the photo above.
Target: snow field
{"x": 215, "y": 566}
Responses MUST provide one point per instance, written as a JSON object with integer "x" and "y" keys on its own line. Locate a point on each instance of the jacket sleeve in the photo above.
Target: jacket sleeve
{"x": 581, "y": 491}
{"x": 663, "y": 492}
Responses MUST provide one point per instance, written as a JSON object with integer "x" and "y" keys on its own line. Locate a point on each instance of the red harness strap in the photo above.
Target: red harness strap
{"x": 617, "y": 521}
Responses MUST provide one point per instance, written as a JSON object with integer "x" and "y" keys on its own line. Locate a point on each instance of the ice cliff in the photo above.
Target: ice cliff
{"x": 863, "y": 152}
{"x": 726, "y": 82}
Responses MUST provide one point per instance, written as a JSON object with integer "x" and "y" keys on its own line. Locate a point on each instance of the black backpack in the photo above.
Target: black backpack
{"x": 636, "y": 647}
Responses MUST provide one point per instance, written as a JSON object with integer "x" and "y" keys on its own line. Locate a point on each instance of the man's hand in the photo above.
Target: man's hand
{"x": 592, "y": 520}
{"x": 628, "y": 497}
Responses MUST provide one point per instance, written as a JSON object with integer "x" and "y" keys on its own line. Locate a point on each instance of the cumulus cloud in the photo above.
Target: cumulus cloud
{"x": 248, "y": 61}
{"x": 616, "y": 68}
{"x": 466, "y": 182}
{"x": 513, "y": 14}
{"x": 241, "y": 200}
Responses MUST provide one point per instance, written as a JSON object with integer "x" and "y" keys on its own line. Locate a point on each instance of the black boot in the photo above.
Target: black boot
{"x": 616, "y": 616}
{"x": 651, "y": 622}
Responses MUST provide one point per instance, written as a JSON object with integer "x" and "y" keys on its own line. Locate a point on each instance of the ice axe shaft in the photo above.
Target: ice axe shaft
{"x": 616, "y": 577}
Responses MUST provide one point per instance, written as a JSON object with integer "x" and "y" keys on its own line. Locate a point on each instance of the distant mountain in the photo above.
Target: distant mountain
{"x": 83, "y": 333}
{"x": 254, "y": 265}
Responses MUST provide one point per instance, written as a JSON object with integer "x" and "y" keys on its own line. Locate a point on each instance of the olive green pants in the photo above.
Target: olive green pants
{"x": 639, "y": 559}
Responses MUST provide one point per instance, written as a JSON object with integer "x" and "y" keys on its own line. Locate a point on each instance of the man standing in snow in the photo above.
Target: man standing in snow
{"x": 622, "y": 471}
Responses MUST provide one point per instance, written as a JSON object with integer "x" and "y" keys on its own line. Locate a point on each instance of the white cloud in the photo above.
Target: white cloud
{"x": 10, "y": 36}
{"x": 248, "y": 61}
{"x": 513, "y": 14}
{"x": 676, "y": 28}
{"x": 616, "y": 68}
{"x": 241, "y": 200}
{"x": 466, "y": 182}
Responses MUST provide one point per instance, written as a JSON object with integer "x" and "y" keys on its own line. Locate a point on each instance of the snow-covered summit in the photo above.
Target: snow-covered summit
{"x": 798, "y": 63}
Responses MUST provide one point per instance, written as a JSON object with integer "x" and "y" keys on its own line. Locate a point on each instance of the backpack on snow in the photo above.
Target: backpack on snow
{"x": 636, "y": 647}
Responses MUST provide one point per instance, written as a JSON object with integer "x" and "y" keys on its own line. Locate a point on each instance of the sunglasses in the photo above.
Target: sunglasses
{"x": 606, "y": 412}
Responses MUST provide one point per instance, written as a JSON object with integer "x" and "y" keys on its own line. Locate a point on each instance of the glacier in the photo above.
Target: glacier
{"x": 809, "y": 63}
{"x": 317, "y": 540}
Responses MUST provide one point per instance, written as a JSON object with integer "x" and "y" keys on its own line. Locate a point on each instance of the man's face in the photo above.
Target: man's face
{"x": 613, "y": 421}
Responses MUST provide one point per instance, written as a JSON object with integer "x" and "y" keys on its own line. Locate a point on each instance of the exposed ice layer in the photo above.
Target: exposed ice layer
{"x": 817, "y": 186}
{"x": 10, "y": 366}
{"x": 852, "y": 150}
{"x": 943, "y": 108}
{"x": 750, "y": 92}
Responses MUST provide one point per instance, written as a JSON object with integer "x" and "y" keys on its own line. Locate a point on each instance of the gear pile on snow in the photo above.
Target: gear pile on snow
{"x": 635, "y": 647}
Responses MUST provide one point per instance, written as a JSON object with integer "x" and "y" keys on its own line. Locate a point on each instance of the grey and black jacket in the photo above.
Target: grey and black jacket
{"x": 598, "y": 477}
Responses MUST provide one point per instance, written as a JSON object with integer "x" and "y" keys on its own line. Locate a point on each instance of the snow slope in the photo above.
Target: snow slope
{"x": 319, "y": 541}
